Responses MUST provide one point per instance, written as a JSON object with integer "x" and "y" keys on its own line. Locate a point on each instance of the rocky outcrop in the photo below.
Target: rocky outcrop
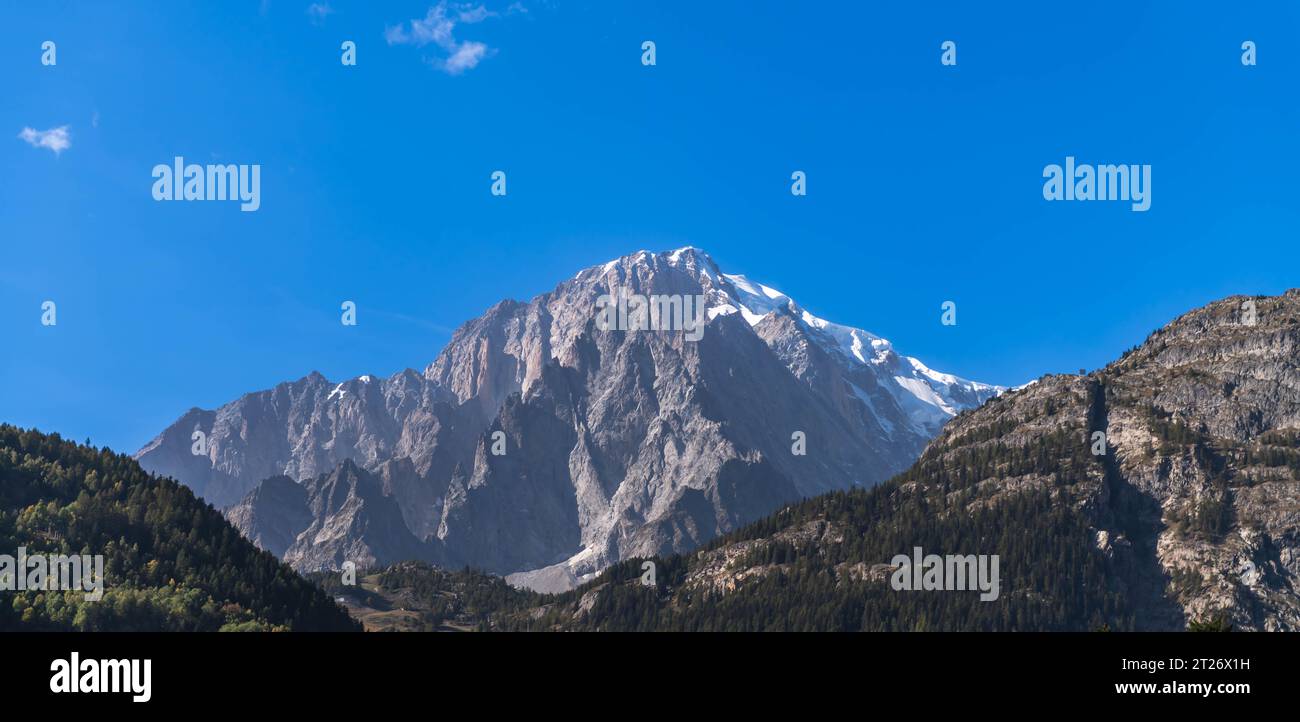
{"x": 1196, "y": 497}
{"x": 344, "y": 515}
{"x": 273, "y": 514}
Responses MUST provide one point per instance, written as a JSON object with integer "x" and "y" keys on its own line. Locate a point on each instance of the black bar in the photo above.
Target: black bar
{"x": 978, "y": 671}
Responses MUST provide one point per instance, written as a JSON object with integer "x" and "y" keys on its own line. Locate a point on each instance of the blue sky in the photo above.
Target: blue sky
{"x": 924, "y": 181}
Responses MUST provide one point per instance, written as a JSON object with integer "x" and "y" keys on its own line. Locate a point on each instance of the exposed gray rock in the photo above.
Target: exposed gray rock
{"x": 344, "y": 515}
{"x": 618, "y": 442}
{"x": 273, "y": 514}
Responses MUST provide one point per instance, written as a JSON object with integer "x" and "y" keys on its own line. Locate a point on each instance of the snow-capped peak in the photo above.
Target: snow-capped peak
{"x": 928, "y": 397}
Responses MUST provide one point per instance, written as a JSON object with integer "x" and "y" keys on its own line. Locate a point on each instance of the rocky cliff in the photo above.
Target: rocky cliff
{"x": 544, "y": 442}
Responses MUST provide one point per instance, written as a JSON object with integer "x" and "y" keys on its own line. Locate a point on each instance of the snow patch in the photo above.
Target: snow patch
{"x": 928, "y": 397}
{"x": 725, "y": 309}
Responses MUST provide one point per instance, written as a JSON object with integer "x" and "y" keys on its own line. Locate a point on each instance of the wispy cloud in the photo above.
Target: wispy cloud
{"x": 404, "y": 318}
{"x": 470, "y": 14}
{"x": 56, "y": 139}
{"x": 437, "y": 28}
{"x": 318, "y": 12}
{"x": 466, "y": 57}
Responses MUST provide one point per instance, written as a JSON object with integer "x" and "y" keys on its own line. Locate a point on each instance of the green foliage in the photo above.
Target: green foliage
{"x": 172, "y": 562}
{"x": 1173, "y": 435}
{"x": 1213, "y": 517}
{"x": 444, "y": 600}
{"x": 1218, "y": 623}
{"x": 1276, "y": 449}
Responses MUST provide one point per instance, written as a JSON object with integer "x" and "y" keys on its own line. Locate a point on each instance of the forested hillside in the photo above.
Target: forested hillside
{"x": 171, "y": 562}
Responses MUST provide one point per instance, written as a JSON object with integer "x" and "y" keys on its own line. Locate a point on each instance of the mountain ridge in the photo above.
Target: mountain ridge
{"x": 645, "y": 424}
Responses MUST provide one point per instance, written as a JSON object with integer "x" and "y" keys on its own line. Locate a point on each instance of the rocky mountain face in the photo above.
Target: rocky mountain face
{"x": 1203, "y": 427}
{"x": 347, "y": 514}
{"x": 1160, "y": 491}
{"x": 546, "y": 442}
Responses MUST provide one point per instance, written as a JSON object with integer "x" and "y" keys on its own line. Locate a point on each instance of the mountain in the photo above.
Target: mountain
{"x": 169, "y": 561}
{"x": 545, "y": 442}
{"x": 1161, "y": 492}
{"x": 343, "y": 515}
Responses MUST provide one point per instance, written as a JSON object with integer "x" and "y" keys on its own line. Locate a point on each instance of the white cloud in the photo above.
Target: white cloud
{"x": 436, "y": 28}
{"x": 470, "y": 14}
{"x": 465, "y": 57}
{"x": 56, "y": 139}
{"x": 318, "y": 11}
